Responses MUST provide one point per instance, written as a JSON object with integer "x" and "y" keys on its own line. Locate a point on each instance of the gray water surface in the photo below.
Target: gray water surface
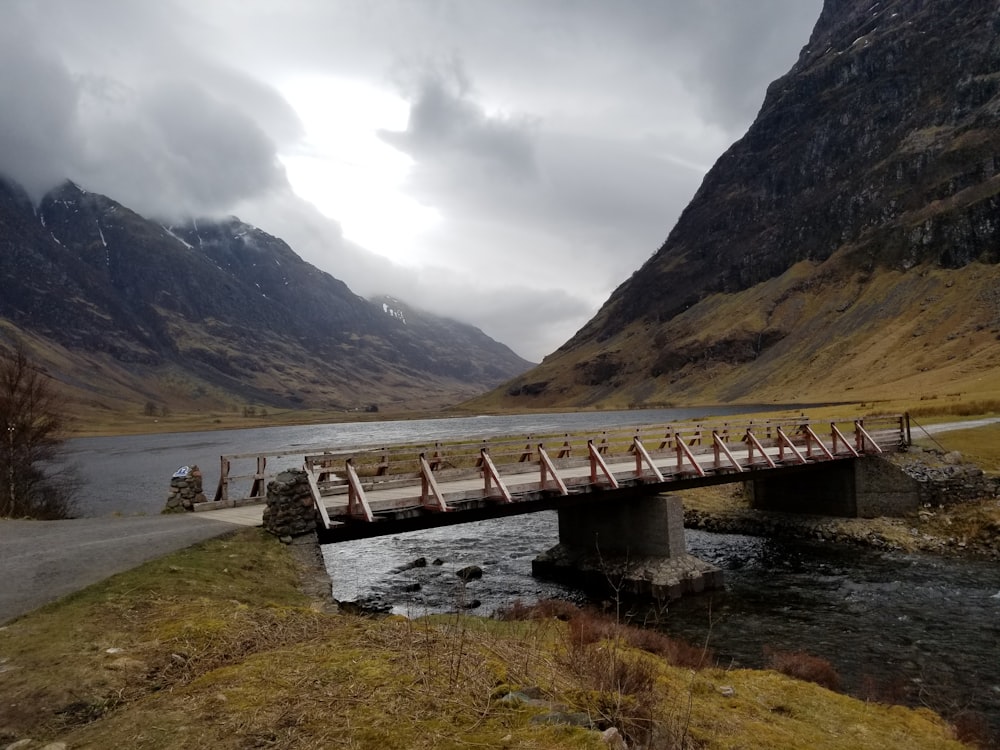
{"x": 131, "y": 474}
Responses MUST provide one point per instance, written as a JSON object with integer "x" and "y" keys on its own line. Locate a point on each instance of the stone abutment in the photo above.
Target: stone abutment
{"x": 290, "y": 510}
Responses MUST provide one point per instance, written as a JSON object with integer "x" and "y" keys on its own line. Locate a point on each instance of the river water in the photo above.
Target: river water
{"x": 913, "y": 627}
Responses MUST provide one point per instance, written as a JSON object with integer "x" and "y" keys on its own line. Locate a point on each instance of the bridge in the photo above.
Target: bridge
{"x": 609, "y": 488}
{"x": 367, "y": 492}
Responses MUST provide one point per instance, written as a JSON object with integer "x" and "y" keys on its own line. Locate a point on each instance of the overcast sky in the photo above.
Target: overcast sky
{"x": 504, "y": 162}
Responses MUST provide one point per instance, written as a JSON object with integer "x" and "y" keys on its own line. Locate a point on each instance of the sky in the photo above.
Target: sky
{"x": 507, "y": 163}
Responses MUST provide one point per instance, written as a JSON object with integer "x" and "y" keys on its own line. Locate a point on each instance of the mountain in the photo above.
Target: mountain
{"x": 846, "y": 246}
{"x": 127, "y": 312}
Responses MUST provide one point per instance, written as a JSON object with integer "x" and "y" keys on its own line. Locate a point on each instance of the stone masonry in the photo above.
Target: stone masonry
{"x": 185, "y": 490}
{"x": 944, "y": 479}
{"x": 290, "y": 509}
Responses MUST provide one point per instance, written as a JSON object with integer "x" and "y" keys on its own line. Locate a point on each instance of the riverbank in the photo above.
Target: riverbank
{"x": 218, "y": 645}
{"x": 967, "y": 524}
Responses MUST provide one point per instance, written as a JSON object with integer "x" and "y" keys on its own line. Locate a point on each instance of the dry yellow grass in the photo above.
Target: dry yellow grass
{"x": 888, "y": 338}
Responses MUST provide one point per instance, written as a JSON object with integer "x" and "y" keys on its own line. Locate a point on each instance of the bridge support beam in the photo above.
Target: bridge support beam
{"x": 634, "y": 547}
{"x": 864, "y": 487}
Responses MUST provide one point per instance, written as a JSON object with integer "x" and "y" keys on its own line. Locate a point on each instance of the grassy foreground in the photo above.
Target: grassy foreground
{"x": 218, "y": 646}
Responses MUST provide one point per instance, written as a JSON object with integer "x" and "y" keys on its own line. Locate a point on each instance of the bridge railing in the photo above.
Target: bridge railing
{"x": 386, "y": 467}
{"x": 400, "y": 464}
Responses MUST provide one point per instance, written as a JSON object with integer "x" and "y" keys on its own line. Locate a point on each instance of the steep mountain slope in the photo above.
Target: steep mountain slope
{"x": 216, "y": 313}
{"x": 848, "y": 242}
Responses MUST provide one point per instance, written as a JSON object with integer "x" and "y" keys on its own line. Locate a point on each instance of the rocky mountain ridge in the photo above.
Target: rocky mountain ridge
{"x": 215, "y": 312}
{"x": 849, "y": 241}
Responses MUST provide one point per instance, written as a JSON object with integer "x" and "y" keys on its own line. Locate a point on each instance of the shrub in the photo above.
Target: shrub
{"x": 541, "y": 610}
{"x": 803, "y": 666}
{"x": 619, "y": 686}
{"x": 893, "y": 691}
{"x": 973, "y": 729}
{"x": 587, "y": 626}
{"x": 31, "y": 422}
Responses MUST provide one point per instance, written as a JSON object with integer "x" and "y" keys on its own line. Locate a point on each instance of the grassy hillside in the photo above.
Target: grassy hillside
{"x": 102, "y": 395}
{"x": 820, "y": 332}
{"x": 218, "y": 646}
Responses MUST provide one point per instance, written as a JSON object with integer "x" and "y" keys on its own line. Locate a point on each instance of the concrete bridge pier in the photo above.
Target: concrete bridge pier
{"x": 630, "y": 547}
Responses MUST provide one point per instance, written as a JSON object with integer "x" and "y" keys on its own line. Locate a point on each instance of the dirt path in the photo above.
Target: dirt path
{"x": 934, "y": 429}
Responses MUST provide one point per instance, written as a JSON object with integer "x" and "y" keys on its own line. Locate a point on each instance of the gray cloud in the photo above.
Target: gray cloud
{"x": 38, "y": 129}
{"x": 133, "y": 111}
{"x": 176, "y": 150}
{"x": 448, "y": 126}
{"x": 584, "y": 209}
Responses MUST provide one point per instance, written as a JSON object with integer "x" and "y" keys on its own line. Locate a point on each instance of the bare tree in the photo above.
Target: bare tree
{"x": 31, "y": 424}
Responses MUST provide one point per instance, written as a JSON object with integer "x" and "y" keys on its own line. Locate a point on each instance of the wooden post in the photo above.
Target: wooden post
{"x": 597, "y": 462}
{"x": 527, "y": 454}
{"x": 862, "y": 435}
{"x": 752, "y": 442}
{"x": 566, "y": 450}
{"x": 357, "y": 503}
{"x": 257, "y": 489}
{"x": 603, "y": 446}
{"x": 437, "y": 458}
{"x": 547, "y": 467}
{"x": 684, "y": 451}
{"x": 430, "y": 493}
{"x": 812, "y": 437}
{"x": 667, "y": 441}
{"x": 784, "y": 440}
{"x": 642, "y": 455}
{"x": 838, "y": 434}
{"x": 490, "y": 473}
{"x": 720, "y": 446}
{"x": 222, "y": 491}
{"x": 317, "y": 496}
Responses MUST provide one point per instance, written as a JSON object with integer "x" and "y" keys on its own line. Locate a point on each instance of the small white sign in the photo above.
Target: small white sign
{"x": 182, "y": 472}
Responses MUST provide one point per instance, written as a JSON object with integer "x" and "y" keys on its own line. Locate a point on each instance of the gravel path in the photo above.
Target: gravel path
{"x": 934, "y": 429}
{"x": 42, "y": 561}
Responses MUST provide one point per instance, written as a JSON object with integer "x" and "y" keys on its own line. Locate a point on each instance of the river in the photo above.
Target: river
{"x": 917, "y": 627}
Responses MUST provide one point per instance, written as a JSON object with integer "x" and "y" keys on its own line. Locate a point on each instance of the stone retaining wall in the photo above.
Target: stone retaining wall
{"x": 944, "y": 479}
